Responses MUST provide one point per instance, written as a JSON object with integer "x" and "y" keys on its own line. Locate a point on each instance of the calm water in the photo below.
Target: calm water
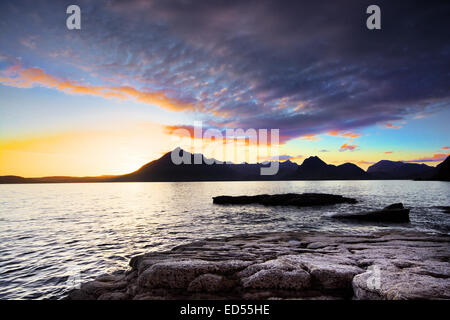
{"x": 50, "y": 233}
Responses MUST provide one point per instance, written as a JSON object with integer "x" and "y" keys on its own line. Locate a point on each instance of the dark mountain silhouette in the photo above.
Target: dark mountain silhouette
{"x": 386, "y": 169}
{"x": 312, "y": 168}
{"x": 443, "y": 170}
{"x": 163, "y": 169}
{"x": 350, "y": 171}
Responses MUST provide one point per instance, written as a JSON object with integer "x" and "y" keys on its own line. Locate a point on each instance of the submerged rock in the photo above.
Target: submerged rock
{"x": 290, "y": 265}
{"x": 445, "y": 209}
{"x": 392, "y": 213}
{"x": 288, "y": 199}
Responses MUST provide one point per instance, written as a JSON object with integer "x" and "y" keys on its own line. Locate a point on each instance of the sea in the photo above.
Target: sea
{"x": 55, "y": 236}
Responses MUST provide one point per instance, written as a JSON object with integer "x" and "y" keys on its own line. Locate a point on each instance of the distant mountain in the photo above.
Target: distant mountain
{"x": 350, "y": 171}
{"x": 55, "y": 179}
{"x": 163, "y": 169}
{"x": 386, "y": 169}
{"x": 312, "y": 168}
{"x": 13, "y": 179}
{"x": 443, "y": 170}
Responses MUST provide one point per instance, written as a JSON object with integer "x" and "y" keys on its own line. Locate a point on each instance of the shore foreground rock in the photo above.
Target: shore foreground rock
{"x": 287, "y": 199}
{"x": 291, "y": 265}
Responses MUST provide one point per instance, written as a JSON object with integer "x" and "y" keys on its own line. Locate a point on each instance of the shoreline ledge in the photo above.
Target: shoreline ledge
{"x": 289, "y": 265}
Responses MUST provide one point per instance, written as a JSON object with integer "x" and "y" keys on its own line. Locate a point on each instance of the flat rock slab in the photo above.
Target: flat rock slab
{"x": 290, "y": 265}
{"x": 288, "y": 199}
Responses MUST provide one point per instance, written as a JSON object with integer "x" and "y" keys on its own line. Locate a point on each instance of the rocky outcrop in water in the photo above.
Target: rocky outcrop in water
{"x": 300, "y": 265}
{"x": 288, "y": 199}
{"x": 445, "y": 209}
{"x": 392, "y": 213}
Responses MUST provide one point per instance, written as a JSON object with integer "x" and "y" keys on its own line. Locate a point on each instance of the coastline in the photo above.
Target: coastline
{"x": 388, "y": 265}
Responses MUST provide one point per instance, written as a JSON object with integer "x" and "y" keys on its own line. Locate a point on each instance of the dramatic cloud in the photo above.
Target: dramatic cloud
{"x": 304, "y": 67}
{"x": 30, "y": 77}
{"x": 223, "y": 136}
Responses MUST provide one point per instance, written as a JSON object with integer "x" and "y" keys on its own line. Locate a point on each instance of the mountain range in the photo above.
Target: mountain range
{"x": 312, "y": 168}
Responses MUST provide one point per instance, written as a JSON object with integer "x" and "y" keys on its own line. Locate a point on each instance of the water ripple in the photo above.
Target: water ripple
{"x": 50, "y": 233}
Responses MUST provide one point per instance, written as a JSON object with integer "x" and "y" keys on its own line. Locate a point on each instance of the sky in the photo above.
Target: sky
{"x": 108, "y": 98}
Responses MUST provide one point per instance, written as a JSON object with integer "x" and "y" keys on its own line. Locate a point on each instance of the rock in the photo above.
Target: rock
{"x": 393, "y": 213}
{"x": 278, "y": 279}
{"x": 288, "y": 199}
{"x": 174, "y": 274}
{"x": 445, "y": 209}
{"x": 287, "y": 265}
{"x": 329, "y": 271}
{"x": 398, "y": 284}
{"x": 317, "y": 245}
{"x": 96, "y": 288}
{"x": 394, "y": 206}
{"x": 77, "y": 294}
{"x": 113, "y": 296}
{"x": 210, "y": 283}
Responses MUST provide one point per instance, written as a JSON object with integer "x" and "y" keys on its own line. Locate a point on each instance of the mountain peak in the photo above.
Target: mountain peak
{"x": 314, "y": 160}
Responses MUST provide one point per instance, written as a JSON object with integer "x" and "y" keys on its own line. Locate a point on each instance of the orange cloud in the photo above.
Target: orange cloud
{"x": 351, "y": 135}
{"x": 391, "y": 126}
{"x": 445, "y": 148}
{"x": 348, "y": 134}
{"x": 309, "y": 137}
{"x": 333, "y": 133}
{"x": 364, "y": 162}
{"x": 434, "y": 158}
{"x": 346, "y": 146}
{"x": 389, "y": 152}
{"x": 26, "y": 78}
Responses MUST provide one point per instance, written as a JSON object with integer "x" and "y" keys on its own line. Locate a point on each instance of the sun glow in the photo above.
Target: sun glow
{"x": 84, "y": 153}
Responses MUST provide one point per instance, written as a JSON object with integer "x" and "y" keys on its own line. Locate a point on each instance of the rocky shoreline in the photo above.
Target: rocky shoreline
{"x": 291, "y": 265}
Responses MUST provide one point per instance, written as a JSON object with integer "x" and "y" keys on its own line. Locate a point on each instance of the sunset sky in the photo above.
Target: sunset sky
{"x": 105, "y": 99}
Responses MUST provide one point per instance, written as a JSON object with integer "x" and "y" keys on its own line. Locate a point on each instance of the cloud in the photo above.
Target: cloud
{"x": 391, "y": 126}
{"x": 365, "y": 162}
{"x": 388, "y": 152}
{"x": 445, "y": 148}
{"x": 434, "y": 158}
{"x": 282, "y": 158}
{"x": 293, "y": 72}
{"x": 16, "y": 76}
{"x": 350, "y": 135}
{"x": 221, "y": 135}
{"x": 349, "y": 147}
{"x": 309, "y": 137}
{"x": 29, "y": 42}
